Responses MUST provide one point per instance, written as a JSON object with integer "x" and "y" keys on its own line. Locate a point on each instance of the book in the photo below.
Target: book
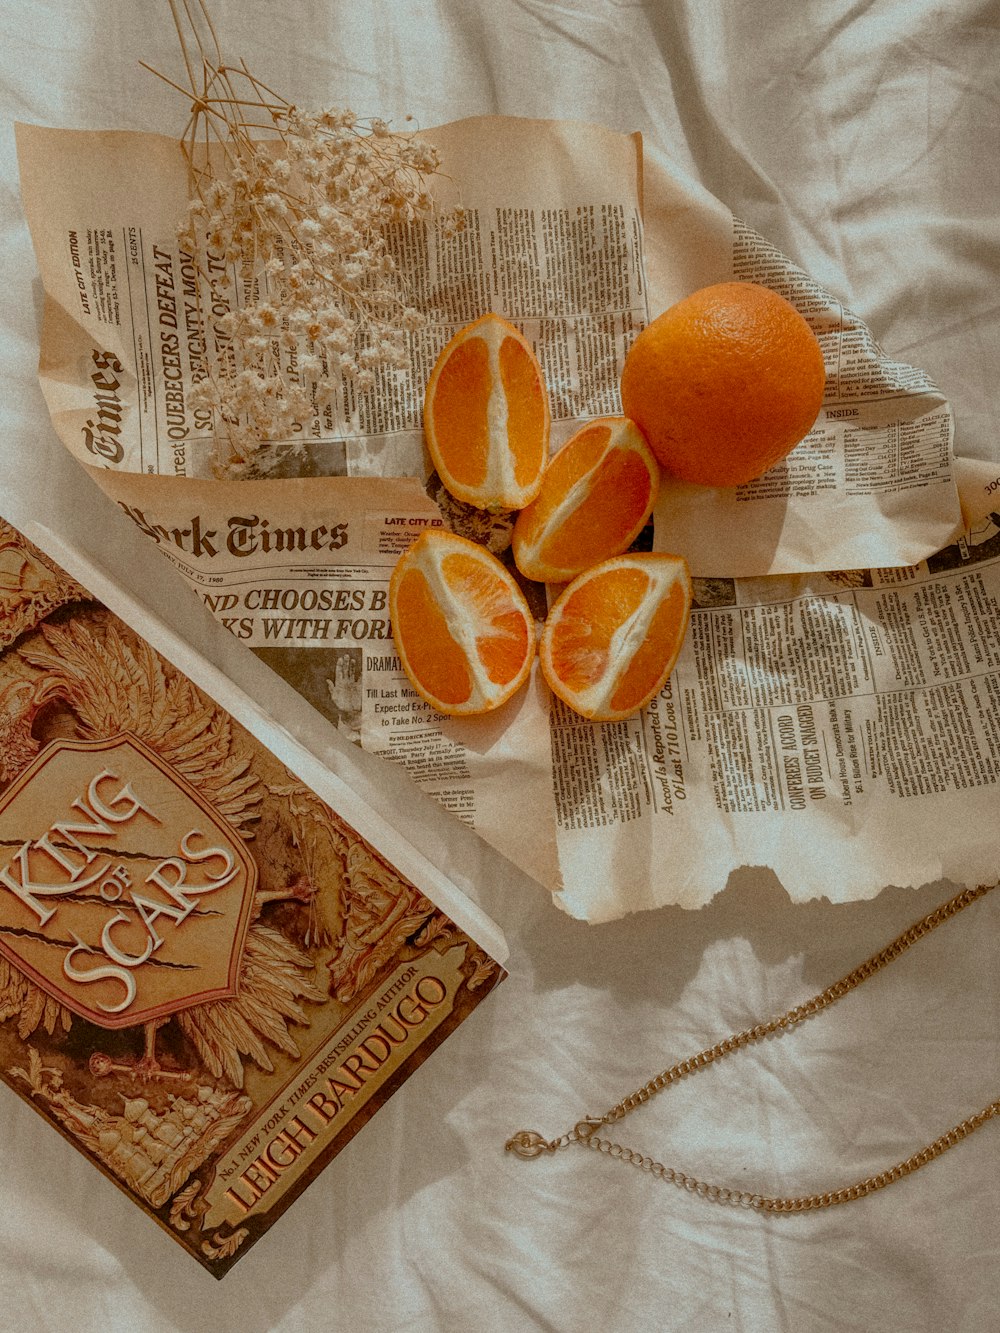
{"x": 216, "y": 962}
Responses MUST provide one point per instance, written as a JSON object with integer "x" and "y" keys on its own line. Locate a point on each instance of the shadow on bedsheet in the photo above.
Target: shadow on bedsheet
{"x": 654, "y": 955}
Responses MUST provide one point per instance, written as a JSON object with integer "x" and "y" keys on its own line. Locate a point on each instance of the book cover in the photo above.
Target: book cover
{"x": 210, "y": 977}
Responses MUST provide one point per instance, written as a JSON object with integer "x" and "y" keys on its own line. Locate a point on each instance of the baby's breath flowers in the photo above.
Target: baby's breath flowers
{"x": 288, "y": 227}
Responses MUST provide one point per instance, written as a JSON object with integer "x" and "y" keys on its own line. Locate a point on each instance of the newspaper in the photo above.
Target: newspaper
{"x": 552, "y": 240}
{"x": 841, "y": 729}
{"x": 574, "y": 233}
{"x": 838, "y": 728}
{"x": 805, "y": 705}
{"x": 311, "y": 600}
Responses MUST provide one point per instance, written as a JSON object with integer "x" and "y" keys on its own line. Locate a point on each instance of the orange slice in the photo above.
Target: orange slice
{"x": 596, "y": 495}
{"x": 462, "y": 627}
{"x": 612, "y": 637}
{"x": 486, "y": 416}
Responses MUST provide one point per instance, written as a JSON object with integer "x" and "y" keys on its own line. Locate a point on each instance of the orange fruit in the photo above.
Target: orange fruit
{"x": 596, "y": 495}
{"x": 486, "y": 416}
{"x": 611, "y": 639}
{"x": 462, "y": 627}
{"x": 724, "y": 384}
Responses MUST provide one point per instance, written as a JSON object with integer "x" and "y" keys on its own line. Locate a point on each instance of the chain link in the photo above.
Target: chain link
{"x": 529, "y": 1144}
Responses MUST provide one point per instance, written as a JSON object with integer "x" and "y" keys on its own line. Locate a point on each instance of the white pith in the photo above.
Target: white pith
{"x": 500, "y": 477}
{"x": 574, "y": 497}
{"x": 499, "y": 473}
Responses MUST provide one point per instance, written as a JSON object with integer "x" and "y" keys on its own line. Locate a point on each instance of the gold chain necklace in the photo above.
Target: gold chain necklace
{"x": 528, "y": 1143}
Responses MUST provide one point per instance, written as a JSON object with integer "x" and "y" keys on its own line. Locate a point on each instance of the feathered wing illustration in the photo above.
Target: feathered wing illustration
{"x": 115, "y": 684}
{"x": 323, "y": 845}
{"x": 358, "y": 901}
{"x": 272, "y": 986}
{"x": 17, "y": 745}
{"x": 20, "y": 997}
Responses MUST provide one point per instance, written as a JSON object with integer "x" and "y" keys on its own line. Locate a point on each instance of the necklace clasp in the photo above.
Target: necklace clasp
{"x": 583, "y": 1129}
{"x": 527, "y": 1144}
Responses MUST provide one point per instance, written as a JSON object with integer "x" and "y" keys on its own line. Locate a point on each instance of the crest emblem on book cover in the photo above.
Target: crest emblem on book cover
{"x": 122, "y": 893}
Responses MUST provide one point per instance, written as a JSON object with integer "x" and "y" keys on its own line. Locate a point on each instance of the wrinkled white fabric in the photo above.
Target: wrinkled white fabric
{"x": 861, "y": 138}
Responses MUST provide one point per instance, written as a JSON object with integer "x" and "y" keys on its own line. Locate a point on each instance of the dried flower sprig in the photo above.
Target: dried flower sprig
{"x": 288, "y": 227}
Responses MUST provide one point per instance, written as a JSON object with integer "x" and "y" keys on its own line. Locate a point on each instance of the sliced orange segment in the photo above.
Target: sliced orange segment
{"x": 486, "y": 416}
{"x": 596, "y": 495}
{"x": 612, "y": 638}
{"x": 462, "y": 627}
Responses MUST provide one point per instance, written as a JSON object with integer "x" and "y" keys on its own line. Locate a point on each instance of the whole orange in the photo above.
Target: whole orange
{"x": 724, "y": 384}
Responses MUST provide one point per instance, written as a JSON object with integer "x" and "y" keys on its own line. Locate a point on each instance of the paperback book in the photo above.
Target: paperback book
{"x": 216, "y": 963}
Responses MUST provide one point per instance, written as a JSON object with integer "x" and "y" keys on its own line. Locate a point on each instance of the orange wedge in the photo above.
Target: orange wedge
{"x": 612, "y": 638}
{"x": 462, "y": 627}
{"x": 596, "y": 495}
{"x": 486, "y": 416}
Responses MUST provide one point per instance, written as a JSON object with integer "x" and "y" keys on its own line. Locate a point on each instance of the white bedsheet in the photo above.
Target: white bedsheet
{"x": 862, "y": 139}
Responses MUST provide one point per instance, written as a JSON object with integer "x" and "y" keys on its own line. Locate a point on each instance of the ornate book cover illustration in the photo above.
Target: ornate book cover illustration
{"x": 209, "y": 980}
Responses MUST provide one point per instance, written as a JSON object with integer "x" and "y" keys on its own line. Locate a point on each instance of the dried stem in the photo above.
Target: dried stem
{"x": 288, "y": 230}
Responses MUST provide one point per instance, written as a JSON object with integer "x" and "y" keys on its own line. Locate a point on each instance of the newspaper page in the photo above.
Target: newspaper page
{"x": 837, "y": 728}
{"x": 841, "y": 729}
{"x": 552, "y": 240}
{"x": 298, "y": 570}
{"x": 565, "y": 220}
{"x": 782, "y": 733}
